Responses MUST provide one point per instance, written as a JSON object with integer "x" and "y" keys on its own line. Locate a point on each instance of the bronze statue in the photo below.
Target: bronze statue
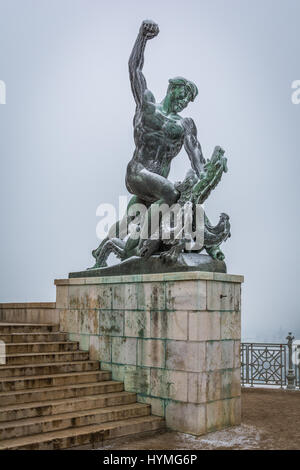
{"x": 159, "y": 134}
{"x": 159, "y": 131}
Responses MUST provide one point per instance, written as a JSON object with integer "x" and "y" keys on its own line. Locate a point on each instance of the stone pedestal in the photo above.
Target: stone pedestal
{"x": 173, "y": 338}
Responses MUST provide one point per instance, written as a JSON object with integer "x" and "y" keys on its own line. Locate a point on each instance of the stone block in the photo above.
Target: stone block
{"x": 216, "y": 418}
{"x": 119, "y": 371}
{"x": 223, "y": 413}
{"x": 100, "y": 348}
{"x": 84, "y": 342}
{"x": 214, "y": 386}
{"x": 151, "y": 353}
{"x": 229, "y": 384}
{"x": 105, "y": 347}
{"x": 204, "y": 326}
{"x": 107, "y": 366}
{"x": 35, "y": 315}
{"x": 157, "y": 404}
{"x": 62, "y": 296}
{"x": 170, "y": 325}
{"x": 197, "y": 384}
{"x": 90, "y": 296}
{"x": 223, "y": 384}
{"x": 151, "y": 296}
{"x": 79, "y": 297}
{"x": 94, "y": 348}
{"x": 185, "y": 355}
{"x": 227, "y": 354}
{"x": 103, "y": 297}
{"x": 124, "y": 350}
{"x": 137, "y": 323}
{"x": 186, "y": 417}
{"x": 137, "y": 380}
{"x": 124, "y": 297}
{"x": 8, "y": 314}
{"x": 213, "y": 355}
{"x": 88, "y": 321}
{"x": 74, "y": 337}
{"x": 186, "y": 295}
{"x": 219, "y": 355}
{"x": 237, "y": 354}
{"x": 231, "y": 325}
{"x": 236, "y": 383}
{"x": 169, "y": 384}
{"x": 69, "y": 321}
{"x": 222, "y": 296}
{"x": 226, "y": 383}
{"x": 111, "y": 323}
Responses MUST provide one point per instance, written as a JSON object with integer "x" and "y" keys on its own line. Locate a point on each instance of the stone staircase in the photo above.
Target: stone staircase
{"x": 53, "y": 397}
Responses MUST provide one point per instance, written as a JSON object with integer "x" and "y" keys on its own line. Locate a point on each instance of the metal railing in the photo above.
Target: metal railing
{"x": 271, "y": 364}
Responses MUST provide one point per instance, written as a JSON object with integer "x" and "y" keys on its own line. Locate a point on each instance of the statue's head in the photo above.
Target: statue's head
{"x": 180, "y": 92}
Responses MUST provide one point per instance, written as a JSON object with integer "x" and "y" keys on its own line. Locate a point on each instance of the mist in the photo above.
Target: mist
{"x": 67, "y": 136}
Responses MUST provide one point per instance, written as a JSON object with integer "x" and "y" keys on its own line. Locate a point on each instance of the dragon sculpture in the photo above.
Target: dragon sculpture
{"x": 193, "y": 192}
{"x": 181, "y": 230}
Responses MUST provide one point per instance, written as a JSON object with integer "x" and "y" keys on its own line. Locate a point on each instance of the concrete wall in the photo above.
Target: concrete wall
{"x": 29, "y": 312}
{"x": 172, "y": 338}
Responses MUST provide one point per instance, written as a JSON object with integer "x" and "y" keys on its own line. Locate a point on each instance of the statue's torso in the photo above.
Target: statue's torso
{"x": 158, "y": 138}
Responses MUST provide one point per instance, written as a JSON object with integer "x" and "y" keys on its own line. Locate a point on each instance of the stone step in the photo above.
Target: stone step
{"x": 38, "y": 358}
{"x": 10, "y": 384}
{"x": 84, "y": 435}
{"x": 53, "y": 397}
{"x": 30, "y": 426}
{"x": 27, "y": 348}
{"x": 33, "y": 337}
{"x": 48, "y": 368}
{"x": 55, "y": 393}
{"x": 9, "y": 328}
{"x": 54, "y": 407}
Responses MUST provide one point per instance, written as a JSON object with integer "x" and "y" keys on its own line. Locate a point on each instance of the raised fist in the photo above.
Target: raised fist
{"x": 149, "y": 29}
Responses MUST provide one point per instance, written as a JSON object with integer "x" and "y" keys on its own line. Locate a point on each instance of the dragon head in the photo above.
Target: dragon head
{"x": 211, "y": 176}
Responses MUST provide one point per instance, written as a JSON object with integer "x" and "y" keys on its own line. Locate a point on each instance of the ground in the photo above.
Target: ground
{"x": 270, "y": 420}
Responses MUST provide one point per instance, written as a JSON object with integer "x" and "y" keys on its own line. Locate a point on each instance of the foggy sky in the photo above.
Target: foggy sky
{"x": 66, "y": 135}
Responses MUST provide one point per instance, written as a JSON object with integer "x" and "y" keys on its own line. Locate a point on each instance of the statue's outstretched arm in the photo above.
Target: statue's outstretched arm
{"x": 148, "y": 30}
{"x": 192, "y": 146}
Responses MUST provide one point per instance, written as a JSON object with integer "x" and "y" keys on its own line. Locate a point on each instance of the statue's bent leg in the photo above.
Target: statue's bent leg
{"x": 117, "y": 230}
{"x": 115, "y": 246}
{"x": 151, "y": 187}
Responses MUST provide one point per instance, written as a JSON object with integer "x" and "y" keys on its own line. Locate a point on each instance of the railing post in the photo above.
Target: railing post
{"x": 250, "y": 364}
{"x": 291, "y": 373}
{"x": 247, "y": 364}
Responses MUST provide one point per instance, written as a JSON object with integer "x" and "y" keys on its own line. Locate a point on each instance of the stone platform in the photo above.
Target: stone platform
{"x": 172, "y": 338}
